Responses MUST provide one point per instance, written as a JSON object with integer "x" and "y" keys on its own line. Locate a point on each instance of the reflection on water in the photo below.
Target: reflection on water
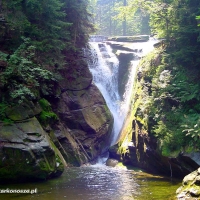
{"x": 98, "y": 183}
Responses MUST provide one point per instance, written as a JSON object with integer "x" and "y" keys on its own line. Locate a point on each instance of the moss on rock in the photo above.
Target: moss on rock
{"x": 26, "y": 152}
{"x": 190, "y": 188}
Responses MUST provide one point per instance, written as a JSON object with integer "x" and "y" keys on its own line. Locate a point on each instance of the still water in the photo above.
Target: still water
{"x": 99, "y": 183}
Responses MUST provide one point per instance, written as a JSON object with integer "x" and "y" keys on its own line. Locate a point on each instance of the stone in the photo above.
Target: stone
{"x": 27, "y": 153}
{"x": 76, "y": 78}
{"x": 113, "y": 153}
{"x": 112, "y": 162}
{"x": 189, "y": 178}
{"x": 190, "y": 188}
{"x": 197, "y": 180}
{"x": 23, "y": 111}
{"x": 124, "y": 66}
{"x": 194, "y": 191}
{"x": 194, "y": 156}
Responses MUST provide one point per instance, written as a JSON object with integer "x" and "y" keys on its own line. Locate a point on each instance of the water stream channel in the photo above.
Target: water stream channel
{"x": 100, "y": 182}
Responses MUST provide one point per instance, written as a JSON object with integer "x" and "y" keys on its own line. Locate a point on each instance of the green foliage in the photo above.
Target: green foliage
{"x": 3, "y": 107}
{"x": 117, "y": 17}
{"x": 79, "y": 18}
{"x": 169, "y": 100}
{"x": 192, "y": 127}
{"x": 45, "y": 104}
{"x": 22, "y": 74}
{"x": 3, "y": 118}
{"x": 168, "y": 105}
{"x": 47, "y": 116}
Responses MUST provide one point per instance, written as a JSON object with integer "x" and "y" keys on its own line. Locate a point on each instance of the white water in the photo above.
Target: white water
{"x": 104, "y": 68}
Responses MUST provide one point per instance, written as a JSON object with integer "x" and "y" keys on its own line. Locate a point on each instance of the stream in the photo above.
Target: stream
{"x": 99, "y": 183}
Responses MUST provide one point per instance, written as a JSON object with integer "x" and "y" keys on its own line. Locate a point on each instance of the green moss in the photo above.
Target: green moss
{"x": 121, "y": 165}
{"x": 47, "y": 116}
{"x": 3, "y": 117}
{"x": 45, "y": 104}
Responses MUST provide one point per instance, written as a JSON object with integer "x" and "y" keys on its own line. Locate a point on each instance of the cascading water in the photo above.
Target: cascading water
{"x": 105, "y": 75}
{"x": 104, "y": 67}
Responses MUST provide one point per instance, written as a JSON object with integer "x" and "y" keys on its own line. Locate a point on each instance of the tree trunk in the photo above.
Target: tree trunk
{"x": 124, "y": 21}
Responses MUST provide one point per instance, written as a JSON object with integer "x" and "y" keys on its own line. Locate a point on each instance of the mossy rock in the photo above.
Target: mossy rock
{"x": 22, "y": 111}
{"x": 190, "y": 188}
{"x": 27, "y": 153}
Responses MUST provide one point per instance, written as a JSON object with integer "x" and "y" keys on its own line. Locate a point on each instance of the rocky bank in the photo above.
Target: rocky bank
{"x": 190, "y": 188}
{"x": 138, "y": 146}
{"x": 68, "y": 127}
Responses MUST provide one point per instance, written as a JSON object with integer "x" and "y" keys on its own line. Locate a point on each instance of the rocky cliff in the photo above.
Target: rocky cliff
{"x": 68, "y": 127}
{"x": 138, "y": 145}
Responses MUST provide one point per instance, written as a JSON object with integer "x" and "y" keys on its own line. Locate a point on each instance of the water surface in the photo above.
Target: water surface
{"x": 99, "y": 183}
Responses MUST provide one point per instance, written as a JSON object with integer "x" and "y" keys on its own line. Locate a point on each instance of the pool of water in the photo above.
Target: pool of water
{"x": 99, "y": 183}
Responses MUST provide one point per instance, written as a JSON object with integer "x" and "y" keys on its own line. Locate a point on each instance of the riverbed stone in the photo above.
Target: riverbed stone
{"x": 112, "y": 162}
{"x": 189, "y": 178}
{"x": 190, "y": 188}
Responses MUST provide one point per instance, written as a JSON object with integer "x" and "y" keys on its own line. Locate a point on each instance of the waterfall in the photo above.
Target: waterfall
{"x": 104, "y": 67}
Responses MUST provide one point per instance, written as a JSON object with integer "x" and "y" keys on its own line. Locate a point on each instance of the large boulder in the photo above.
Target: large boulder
{"x": 190, "y": 188}
{"x": 27, "y": 153}
{"x": 75, "y": 77}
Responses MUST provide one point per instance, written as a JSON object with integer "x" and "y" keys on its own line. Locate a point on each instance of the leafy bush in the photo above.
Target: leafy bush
{"x": 168, "y": 105}
{"x": 22, "y": 74}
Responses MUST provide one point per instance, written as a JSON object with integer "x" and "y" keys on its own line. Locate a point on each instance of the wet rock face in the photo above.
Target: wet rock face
{"x": 124, "y": 66}
{"x": 88, "y": 120}
{"x": 76, "y": 77}
{"x": 26, "y": 153}
{"x": 138, "y": 38}
{"x": 143, "y": 153}
{"x": 190, "y": 188}
{"x": 146, "y": 156}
